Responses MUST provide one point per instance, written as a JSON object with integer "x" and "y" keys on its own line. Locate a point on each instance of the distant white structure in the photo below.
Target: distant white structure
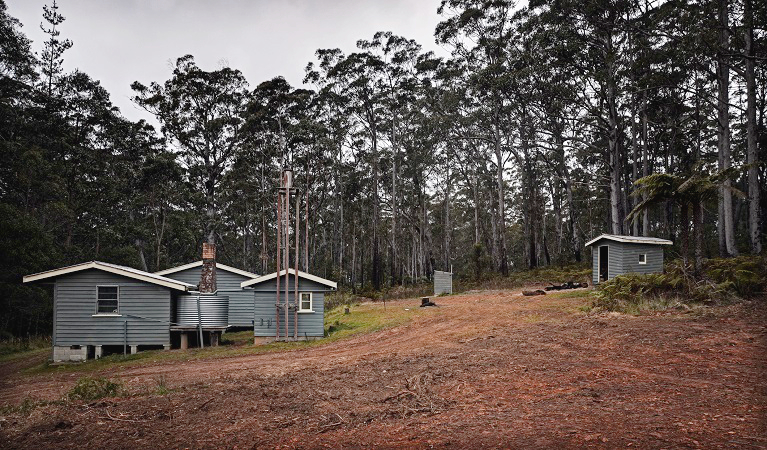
{"x": 443, "y": 282}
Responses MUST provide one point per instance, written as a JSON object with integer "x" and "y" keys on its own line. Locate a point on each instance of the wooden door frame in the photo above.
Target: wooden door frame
{"x": 599, "y": 263}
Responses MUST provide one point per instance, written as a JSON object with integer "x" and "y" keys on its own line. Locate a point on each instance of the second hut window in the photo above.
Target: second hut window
{"x": 306, "y": 301}
{"x": 642, "y": 258}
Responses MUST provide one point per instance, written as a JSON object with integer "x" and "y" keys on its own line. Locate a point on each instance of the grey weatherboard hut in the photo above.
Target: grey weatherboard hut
{"x": 614, "y": 255}
{"x": 228, "y": 280}
{"x": 97, "y": 305}
{"x": 311, "y": 311}
{"x": 101, "y": 308}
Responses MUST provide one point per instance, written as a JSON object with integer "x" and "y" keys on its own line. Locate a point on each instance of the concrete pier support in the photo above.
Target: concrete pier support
{"x": 166, "y": 346}
{"x": 214, "y": 338}
{"x": 99, "y": 352}
{"x": 184, "y": 340}
{"x": 133, "y": 349}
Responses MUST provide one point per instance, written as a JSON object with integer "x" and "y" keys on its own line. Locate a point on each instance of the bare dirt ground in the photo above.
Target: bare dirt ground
{"x": 485, "y": 369}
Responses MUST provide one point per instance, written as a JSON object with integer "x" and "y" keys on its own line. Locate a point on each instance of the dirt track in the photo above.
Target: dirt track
{"x": 486, "y": 369}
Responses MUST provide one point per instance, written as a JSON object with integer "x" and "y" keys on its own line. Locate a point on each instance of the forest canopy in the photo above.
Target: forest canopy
{"x": 510, "y": 154}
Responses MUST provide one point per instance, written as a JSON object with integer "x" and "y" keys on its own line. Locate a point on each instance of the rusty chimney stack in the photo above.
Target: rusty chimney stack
{"x": 208, "y": 276}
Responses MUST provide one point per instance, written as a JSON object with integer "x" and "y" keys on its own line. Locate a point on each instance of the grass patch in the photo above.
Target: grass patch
{"x": 26, "y": 407}
{"x": 366, "y": 318}
{"x": 93, "y": 388}
{"x": 237, "y": 338}
{"x": 13, "y": 346}
{"x": 570, "y": 294}
{"x": 36, "y": 353}
{"x": 161, "y": 385}
{"x": 363, "y": 318}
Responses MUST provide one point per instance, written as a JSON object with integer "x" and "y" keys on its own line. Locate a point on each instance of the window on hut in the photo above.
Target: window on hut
{"x": 306, "y": 301}
{"x": 108, "y": 300}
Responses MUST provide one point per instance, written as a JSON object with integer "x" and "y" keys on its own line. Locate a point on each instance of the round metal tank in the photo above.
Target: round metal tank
{"x": 213, "y": 308}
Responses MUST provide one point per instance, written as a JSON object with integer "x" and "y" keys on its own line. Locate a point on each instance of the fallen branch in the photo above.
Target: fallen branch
{"x": 117, "y": 419}
{"x": 206, "y": 402}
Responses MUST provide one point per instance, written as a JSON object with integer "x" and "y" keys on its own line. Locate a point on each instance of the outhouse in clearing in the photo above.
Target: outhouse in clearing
{"x": 309, "y": 310}
{"x": 614, "y": 255}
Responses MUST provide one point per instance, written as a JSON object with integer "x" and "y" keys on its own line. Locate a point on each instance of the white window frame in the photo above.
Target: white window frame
{"x": 301, "y": 302}
{"x": 112, "y": 314}
{"x": 641, "y": 259}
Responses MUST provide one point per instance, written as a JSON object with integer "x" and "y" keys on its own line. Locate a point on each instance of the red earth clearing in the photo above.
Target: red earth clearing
{"x": 484, "y": 369}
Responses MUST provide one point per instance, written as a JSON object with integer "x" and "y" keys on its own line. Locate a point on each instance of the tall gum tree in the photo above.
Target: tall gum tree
{"x": 200, "y": 111}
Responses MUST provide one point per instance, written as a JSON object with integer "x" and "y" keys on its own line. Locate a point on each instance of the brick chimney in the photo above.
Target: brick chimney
{"x": 208, "y": 276}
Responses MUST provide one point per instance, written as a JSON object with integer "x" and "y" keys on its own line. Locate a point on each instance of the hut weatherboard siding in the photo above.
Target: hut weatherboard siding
{"x": 228, "y": 283}
{"x": 310, "y": 324}
{"x": 76, "y": 322}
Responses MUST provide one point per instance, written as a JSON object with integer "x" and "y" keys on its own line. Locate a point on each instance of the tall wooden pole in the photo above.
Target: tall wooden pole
{"x": 279, "y": 233}
{"x": 295, "y": 298}
{"x": 287, "y": 260}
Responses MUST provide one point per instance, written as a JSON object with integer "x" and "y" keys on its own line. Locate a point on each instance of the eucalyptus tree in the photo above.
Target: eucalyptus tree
{"x": 595, "y": 33}
{"x": 396, "y": 82}
{"x": 360, "y": 72}
{"x": 201, "y": 113}
{"x": 489, "y": 25}
{"x": 333, "y": 111}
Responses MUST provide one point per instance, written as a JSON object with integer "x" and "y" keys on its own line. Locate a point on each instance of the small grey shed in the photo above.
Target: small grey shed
{"x": 443, "y": 282}
{"x": 614, "y": 255}
{"x": 311, "y": 307}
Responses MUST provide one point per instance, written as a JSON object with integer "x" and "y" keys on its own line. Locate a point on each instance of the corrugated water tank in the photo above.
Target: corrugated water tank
{"x": 214, "y": 310}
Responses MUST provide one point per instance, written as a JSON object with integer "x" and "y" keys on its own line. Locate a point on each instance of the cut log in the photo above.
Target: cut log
{"x": 567, "y": 285}
{"x": 426, "y": 301}
{"x": 535, "y": 292}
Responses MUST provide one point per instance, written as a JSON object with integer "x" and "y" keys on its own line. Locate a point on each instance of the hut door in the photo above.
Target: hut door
{"x": 603, "y": 258}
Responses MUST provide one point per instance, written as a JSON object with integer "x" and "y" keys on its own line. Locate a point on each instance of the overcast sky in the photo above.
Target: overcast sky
{"x": 121, "y": 41}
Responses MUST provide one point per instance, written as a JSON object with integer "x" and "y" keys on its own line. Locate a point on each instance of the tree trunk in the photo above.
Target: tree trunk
{"x": 754, "y": 215}
{"x": 503, "y": 261}
{"x": 645, "y": 164}
{"x": 613, "y": 141}
{"x": 571, "y": 209}
{"x": 448, "y": 229}
{"x": 725, "y": 223}
{"x": 697, "y": 218}
{"x": 210, "y": 212}
{"x": 684, "y": 221}
{"x": 376, "y": 269}
{"x": 394, "y": 204}
{"x": 634, "y": 164}
{"x": 475, "y": 192}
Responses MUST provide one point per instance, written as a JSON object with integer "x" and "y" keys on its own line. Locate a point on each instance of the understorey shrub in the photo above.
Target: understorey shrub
{"x": 719, "y": 280}
{"x": 93, "y": 388}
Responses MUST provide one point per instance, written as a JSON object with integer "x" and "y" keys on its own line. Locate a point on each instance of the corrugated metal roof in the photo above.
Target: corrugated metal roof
{"x": 129, "y": 272}
{"x": 630, "y": 239}
{"x": 301, "y": 274}
{"x": 192, "y": 265}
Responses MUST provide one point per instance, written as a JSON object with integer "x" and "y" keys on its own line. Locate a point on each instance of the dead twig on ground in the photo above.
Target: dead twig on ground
{"x": 119, "y": 419}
